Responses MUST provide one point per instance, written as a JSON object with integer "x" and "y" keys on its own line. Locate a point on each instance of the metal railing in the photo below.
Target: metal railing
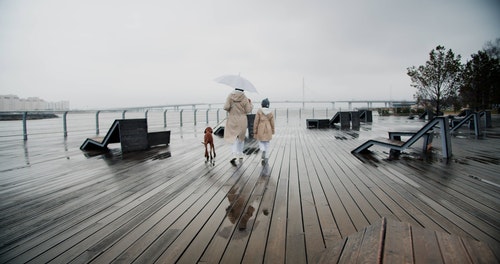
{"x": 80, "y": 121}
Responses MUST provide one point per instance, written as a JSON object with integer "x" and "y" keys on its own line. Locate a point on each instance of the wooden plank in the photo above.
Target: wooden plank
{"x": 356, "y": 217}
{"x": 479, "y": 252}
{"x": 333, "y": 253}
{"x": 320, "y": 186}
{"x": 79, "y": 218}
{"x": 384, "y": 205}
{"x": 216, "y": 248}
{"x": 252, "y": 195}
{"x": 369, "y": 212}
{"x": 197, "y": 195}
{"x": 275, "y": 251}
{"x": 370, "y": 250}
{"x": 352, "y": 248}
{"x": 453, "y": 222}
{"x": 255, "y": 251}
{"x": 336, "y": 195}
{"x": 452, "y": 249}
{"x": 398, "y": 246}
{"x": 308, "y": 184}
{"x": 425, "y": 246}
{"x": 295, "y": 241}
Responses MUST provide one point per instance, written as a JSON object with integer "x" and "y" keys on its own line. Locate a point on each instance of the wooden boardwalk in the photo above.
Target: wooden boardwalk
{"x": 165, "y": 205}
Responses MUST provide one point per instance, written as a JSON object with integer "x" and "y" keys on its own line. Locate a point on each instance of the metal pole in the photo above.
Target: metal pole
{"x": 165, "y": 118}
{"x": 65, "y": 127}
{"x": 207, "y": 115}
{"x": 25, "y": 129}
{"x": 181, "y": 117}
{"x": 195, "y": 110}
{"x": 97, "y": 122}
{"x": 123, "y": 114}
{"x": 476, "y": 124}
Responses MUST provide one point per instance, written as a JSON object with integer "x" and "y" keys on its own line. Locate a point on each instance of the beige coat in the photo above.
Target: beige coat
{"x": 263, "y": 126}
{"x": 238, "y": 106}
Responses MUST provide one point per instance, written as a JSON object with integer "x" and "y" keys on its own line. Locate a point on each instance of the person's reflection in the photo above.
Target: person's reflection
{"x": 236, "y": 207}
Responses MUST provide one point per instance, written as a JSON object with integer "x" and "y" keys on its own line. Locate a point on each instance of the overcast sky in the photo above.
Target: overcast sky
{"x": 121, "y": 53}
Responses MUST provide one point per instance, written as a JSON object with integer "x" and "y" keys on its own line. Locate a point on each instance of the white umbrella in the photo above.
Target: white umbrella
{"x": 236, "y": 81}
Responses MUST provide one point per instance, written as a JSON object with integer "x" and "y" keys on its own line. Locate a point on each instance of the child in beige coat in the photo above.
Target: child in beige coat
{"x": 263, "y": 129}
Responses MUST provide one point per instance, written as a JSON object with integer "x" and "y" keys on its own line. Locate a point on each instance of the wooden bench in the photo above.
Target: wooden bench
{"x": 427, "y": 137}
{"x": 398, "y": 145}
{"x": 132, "y": 134}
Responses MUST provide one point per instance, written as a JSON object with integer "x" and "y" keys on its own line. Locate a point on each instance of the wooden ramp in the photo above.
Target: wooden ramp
{"x": 402, "y": 145}
{"x": 396, "y": 242}
{"x": 132, "y": 134}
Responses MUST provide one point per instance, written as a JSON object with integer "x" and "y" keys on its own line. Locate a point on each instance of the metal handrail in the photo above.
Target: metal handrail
{"x": 181, "y": 121}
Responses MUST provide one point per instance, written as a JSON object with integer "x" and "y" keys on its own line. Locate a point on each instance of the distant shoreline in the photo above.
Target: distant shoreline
{"x": 30, "y": 116}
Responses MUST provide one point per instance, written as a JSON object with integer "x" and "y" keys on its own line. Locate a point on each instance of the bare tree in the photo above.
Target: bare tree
{"x": 437, "y": 82}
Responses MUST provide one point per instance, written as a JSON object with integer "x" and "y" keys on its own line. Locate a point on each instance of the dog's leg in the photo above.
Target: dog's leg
{"x": 213, "y": 149}
{"x": 206, "y": 152}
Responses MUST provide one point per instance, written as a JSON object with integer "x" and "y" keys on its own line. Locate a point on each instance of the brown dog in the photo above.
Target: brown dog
{"x": 209, "y": 141}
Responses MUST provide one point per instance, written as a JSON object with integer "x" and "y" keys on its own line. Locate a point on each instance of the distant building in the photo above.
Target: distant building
{"x": 14, "y": 103}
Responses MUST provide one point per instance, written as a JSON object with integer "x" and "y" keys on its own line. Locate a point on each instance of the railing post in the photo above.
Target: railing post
{"x": 97, "y": 122}
{"x": 445, "y": 137}
{"x": 165, "y": 118}
{"x": 207, "y": 115}
{"x": 287, "y": 114}
{"x": 218, "y": 115}
{"x": 477, "y": 129}
{"x": 25, "y": 129}
{"x": 181, "y": 117}
{"x": 65, "y": 126}
{"x": 123, "y": 114}
{"x": 195, "y": 110}
{"x": 146, "y": 114}
{"x": 313, "y": 112}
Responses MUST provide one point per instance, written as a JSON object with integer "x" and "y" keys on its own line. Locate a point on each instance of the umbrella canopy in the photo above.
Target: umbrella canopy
{"x": 236, "y": 81}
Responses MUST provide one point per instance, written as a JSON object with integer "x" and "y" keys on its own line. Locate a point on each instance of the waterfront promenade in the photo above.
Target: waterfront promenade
{"x": 165, "y": 205}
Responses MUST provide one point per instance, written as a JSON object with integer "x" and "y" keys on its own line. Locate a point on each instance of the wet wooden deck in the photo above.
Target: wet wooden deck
{"x": 166, "y": 205}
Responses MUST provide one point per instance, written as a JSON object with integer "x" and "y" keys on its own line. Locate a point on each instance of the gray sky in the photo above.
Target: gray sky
{"x": 123, "y": 53}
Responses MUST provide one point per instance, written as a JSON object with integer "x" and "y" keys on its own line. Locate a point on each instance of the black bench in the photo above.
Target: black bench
{"x": 318, "y": 123}
{"x": 132, "y": 134}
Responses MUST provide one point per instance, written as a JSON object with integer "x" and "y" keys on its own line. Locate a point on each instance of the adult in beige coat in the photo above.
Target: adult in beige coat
{"x": 237, "y": 106}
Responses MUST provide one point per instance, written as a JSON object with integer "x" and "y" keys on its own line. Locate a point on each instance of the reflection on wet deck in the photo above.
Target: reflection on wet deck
{"x": 165, "y": 205}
